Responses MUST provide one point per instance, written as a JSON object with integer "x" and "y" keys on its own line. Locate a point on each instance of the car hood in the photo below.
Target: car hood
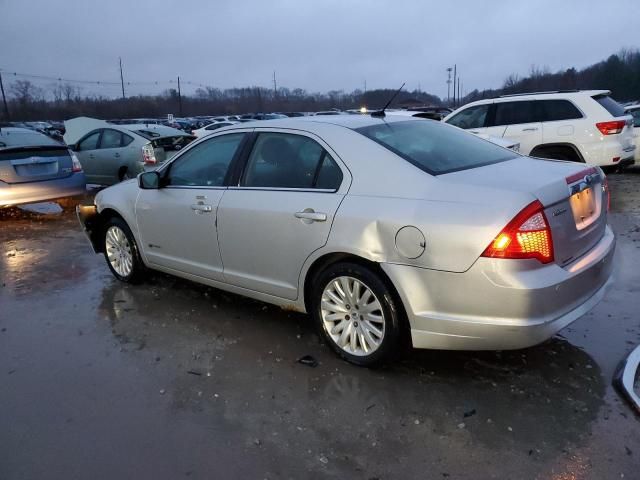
{"x": 76, "y": 128}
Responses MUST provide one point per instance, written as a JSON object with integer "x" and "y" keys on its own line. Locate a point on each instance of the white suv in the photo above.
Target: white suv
{"x": 582, "y": 126}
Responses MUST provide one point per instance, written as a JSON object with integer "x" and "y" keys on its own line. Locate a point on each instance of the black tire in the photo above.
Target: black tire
{"x": 558, "y": 153}
{"x": 138, "y": 270}
{"x": 123, "y": 174}
{"x": 391, "y": 310}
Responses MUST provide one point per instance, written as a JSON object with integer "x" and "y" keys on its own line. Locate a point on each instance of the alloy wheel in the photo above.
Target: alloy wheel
{"x": 119, "y": 251}
{"x": 352, "y": 316}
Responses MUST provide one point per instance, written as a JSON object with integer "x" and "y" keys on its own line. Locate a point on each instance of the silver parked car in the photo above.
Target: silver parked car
{"x": 377, "y": 227}
{"x": 110, "y": 153}
{"x": 36, "y": 168}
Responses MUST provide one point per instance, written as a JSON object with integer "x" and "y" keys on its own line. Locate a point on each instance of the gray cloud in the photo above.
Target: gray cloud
{"x": 316, "y": 45}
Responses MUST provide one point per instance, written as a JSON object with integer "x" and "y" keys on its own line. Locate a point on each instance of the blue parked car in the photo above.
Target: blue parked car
{"x": 36, "y": 168}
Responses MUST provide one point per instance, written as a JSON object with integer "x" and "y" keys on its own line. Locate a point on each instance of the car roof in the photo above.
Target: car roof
{"x": 538, "y": 96}
{"x": 309, "y": 122}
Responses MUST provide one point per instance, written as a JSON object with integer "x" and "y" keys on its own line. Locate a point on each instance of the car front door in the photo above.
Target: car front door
{"x": 177, "y": 222}
{"x": 280, "y": 212}
{"x": 523, "y": 123}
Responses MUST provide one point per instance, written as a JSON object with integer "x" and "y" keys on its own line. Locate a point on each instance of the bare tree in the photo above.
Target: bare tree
{"x": 26, "y": 92}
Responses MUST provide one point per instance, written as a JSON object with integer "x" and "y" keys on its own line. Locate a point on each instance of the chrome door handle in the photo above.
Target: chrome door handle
{"x": 311, "y": 216}
{"x": 117, "y": 155}
{"x": 199, "y": 207}
{"x": 529, "y": 129}
{"x": 474, "y": 131}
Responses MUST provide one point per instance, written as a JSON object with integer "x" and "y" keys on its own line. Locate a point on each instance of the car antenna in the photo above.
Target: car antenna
{"x": 380, "y": 113}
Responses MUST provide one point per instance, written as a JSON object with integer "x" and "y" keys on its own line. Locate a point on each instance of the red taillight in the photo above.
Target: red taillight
{"x": 611, "y": 128}
{"x": 148, "y": 155}
{"x": 76, "y": 167}
{"x": 527, "y": 236}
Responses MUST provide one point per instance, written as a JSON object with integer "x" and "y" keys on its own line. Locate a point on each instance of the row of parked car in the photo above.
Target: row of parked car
{"x": 581, "y": 126}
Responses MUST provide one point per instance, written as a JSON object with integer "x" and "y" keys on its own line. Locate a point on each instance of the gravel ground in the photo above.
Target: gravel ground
{"x": 170, "y": 379}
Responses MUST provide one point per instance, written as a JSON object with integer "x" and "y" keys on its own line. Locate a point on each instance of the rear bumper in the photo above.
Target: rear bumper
{"x": 501, "y": 304}
{"x": 19, "y": 193}
{"x": 603, "y": 153}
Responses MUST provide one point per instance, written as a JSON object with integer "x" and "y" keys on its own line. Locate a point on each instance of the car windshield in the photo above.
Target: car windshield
{"x": 434, "y": 147}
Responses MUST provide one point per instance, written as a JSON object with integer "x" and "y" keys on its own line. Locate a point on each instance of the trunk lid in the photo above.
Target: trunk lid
{"x": 34, "y": 163}
{"x": 573, "y": 197}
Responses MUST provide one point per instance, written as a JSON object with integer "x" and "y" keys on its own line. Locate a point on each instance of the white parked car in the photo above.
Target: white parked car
{"x": 380, "y": 228}
{"x": 634, "y": 111}
{"x": 503, "y": 142}
{"x": 212, "y": 127}
{"x": 581, "y": 126}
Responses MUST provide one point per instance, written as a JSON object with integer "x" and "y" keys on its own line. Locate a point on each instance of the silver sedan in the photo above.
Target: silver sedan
{"x": 379, "y": 228}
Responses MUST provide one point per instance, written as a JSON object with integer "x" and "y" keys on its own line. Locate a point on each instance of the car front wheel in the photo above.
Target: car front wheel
{"x": 121, "y": 252}
{"x": 356, "y": 314}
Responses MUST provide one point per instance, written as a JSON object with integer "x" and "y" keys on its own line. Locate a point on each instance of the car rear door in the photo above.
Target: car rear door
{"x": 522, "y": 120}
{"x": 177, "y": 223}
{"x": 280, "y": 212}
{"x": 109, "y": 156}
{"x": 86, "y": 152}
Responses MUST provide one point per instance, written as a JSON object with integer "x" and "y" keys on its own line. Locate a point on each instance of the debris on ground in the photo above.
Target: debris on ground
{"x": 308, "y": 360}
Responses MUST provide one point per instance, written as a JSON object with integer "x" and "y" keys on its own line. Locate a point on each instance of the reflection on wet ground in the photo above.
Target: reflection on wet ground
{"x": 170, "y": 379}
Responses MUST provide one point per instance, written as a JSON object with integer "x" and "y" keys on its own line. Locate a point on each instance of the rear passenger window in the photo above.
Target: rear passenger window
{"x": 290, "y": 161}
{"x": 110, "y": 139}
{"x": 610, "y": 105}
{"x": 512, "y": 113}
{"x": 472, "y": 117}
{"x": 559, "y": 110}
{"x": 126, "y": 139}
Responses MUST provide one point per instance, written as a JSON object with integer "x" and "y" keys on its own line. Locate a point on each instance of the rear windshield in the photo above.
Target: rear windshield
{"x": 435, "y": 147}
{"x": 613, "y": 107}
{"x": 8, "y": 154}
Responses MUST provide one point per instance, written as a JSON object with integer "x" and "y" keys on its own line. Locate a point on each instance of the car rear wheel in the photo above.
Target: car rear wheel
{"x": 121, "y": 252}
{"x": 356, "y": 313}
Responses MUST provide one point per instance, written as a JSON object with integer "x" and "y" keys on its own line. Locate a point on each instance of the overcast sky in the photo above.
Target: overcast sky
{"x": 317, "y": 45}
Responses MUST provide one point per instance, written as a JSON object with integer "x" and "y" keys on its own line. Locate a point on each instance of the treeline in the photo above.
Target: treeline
{"x": 30, "y": 102}
{"x": 619, "y": 73}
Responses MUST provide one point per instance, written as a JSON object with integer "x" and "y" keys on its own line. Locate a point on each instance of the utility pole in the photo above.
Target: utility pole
{"x": 179, "y": 98}
{"x": 121, "y": 77}
{"x": 449, "y": 84}
{"x": 275, "y": 85}
{"x": 4, "y": 99}
{"x": 455, "y": 73}
{"x": 458, "y": 89}
{"x": 365, "y": 86}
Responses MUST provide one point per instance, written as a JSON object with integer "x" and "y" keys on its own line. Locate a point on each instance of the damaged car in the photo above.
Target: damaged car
{"x": 111, "y": 153}
{"x": 381, "y": 228}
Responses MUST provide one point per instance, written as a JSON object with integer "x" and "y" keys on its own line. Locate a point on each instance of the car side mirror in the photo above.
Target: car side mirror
{"x": 149, "y": 180}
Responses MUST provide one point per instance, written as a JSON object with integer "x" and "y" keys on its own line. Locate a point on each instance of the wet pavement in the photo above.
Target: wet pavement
{"x": 171, "y": 379}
